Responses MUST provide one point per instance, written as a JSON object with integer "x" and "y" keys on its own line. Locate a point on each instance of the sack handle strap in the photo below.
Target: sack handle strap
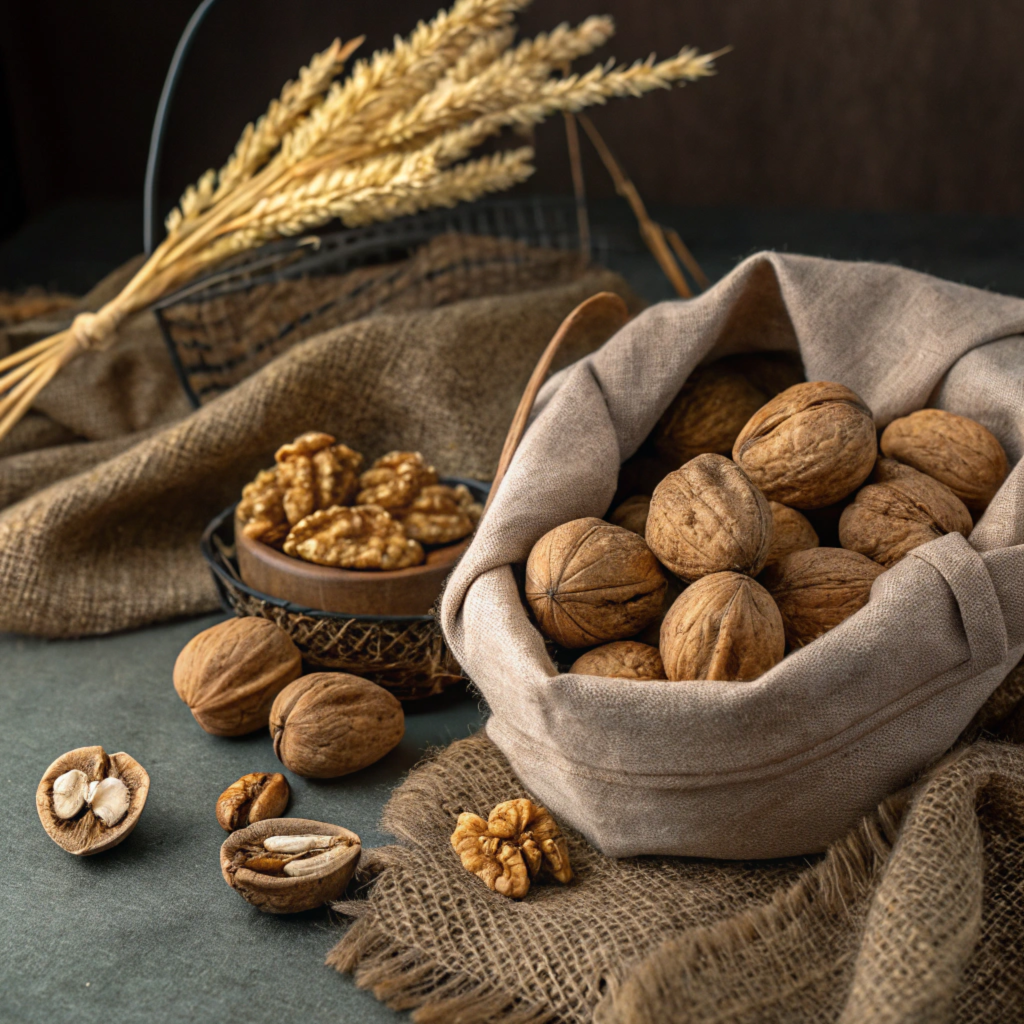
{"x": 603, "y": 310}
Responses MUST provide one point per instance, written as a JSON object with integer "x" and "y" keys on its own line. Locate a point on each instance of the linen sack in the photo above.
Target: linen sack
{"x": 107, "y": 486}
{"x": 789, "y": 762}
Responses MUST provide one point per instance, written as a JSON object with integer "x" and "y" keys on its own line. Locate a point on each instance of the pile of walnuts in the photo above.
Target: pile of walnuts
{"x": 317, "y": 505}
{"x": 723, "y": 566}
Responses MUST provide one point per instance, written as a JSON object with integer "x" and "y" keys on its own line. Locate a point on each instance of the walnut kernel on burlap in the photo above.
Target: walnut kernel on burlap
{"x": 103, "y": 534}
{"x": 916, "y": 916}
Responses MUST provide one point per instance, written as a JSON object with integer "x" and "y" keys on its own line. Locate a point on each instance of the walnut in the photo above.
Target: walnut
{"x": 624, "y": 659}
{"x": 440, "y": 514}
{"x": 725, "y": 626}
{"x": 791, "y": 532}
{"x": 632, "y": 514}
{"x": 588, "y": 582}
{"x": 707, "y": 414}
{"x": 809, "y": 446}
{"x": 708, "y": 517}
{"x": 901, "y": 510}
{"x": 819, "y": 588}
{"x": 315, "y": 473}
{"x": 261, "y": 510}
{"x": 518, "y": 843}
{"x": 395, "y": 479}
{"x": 360, "y": 537}
{"x": 956, "y": 451}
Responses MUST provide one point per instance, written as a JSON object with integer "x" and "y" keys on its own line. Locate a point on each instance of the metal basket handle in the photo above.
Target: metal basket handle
{"x": 603, "y": 310}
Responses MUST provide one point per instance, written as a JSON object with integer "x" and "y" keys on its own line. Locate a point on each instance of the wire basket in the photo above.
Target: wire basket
{"x": 225, "y": 326}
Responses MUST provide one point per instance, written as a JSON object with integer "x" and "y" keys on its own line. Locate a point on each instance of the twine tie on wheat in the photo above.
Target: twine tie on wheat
{"x": 96, "y": 331}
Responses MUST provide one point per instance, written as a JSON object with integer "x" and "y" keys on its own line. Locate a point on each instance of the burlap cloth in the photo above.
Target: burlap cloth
{"x": 107, "y": 485}
{"x": 785, "y": 764}
{"x": 917, "y": 915}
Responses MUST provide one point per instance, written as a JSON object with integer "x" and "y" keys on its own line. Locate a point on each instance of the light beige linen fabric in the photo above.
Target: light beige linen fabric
{"x": 788, "y": 763}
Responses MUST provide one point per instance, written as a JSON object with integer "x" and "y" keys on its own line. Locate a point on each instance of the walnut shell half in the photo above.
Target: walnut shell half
{"x": 725, "y": 626}
{"x": 956, "y": 451}
{"x": 899, "y": 512}
{"x": 588, "y": 582}
{"x": 708, "y": 517}
{"x": 623, "y": 659}
{"x": 80, "y": 828}
{"x": 809, "y": 446}
{"x": 817, "y": 589}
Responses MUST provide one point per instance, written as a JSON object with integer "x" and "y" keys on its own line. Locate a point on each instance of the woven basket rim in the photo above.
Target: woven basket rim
{"x": 225, "y": 521}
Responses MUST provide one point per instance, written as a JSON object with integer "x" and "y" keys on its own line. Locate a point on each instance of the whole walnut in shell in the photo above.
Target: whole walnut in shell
{"x": 956, "y": 451}
{"x": 791, "y": 531}
{"x": 330, "y": 723}
{"x": 708, "y": 517}
{"x": 900, "y": 511}
{"x": 588, "y": 582}
{"x": 230, "y": 674}
{"x": 809, "y": 446}
{"x": 624, "y": 659}
{"x": 725, "y": 626}
{"x": 632, "y": 514}
{"x": 357, "y": 537}
{"x": 817, "y": 589}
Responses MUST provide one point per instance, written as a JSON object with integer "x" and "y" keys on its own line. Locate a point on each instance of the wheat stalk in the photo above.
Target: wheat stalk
{"x": 395, "y": 137}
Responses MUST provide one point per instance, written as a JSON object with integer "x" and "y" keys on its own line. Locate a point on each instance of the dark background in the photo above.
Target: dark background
{"x": 913, "y": 105}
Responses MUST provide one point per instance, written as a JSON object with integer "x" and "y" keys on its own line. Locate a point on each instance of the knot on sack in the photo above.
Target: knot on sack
{"x": 96, "y": 331}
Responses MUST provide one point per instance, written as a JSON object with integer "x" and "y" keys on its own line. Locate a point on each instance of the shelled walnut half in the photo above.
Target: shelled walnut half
{"x": 440, "y": 514}
{"x": 360, "y": 537}
{"x": 89, "y": 801}
{"x": 518, "y": 843}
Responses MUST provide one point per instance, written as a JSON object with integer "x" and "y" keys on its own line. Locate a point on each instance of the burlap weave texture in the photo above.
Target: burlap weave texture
{"x": 788, "y": 763}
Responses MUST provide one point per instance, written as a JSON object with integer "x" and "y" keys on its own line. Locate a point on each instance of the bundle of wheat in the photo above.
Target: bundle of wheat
{"x": 393, "y": 138}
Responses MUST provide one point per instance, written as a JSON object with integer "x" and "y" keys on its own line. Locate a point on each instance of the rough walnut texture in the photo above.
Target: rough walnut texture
{"x": 809, "y": 446}
{"x": 395, "y": 479}
{"x": 316, "y": 473}
{"x": 588, "y": 582}
{"x": 817, "y": 589}
{"x": 440, "y": 514}
{"x": 624, "y": 659}
{"x": 330, "y": 723}
{"x": 958, "y": 452}
{"x": 230, "y": 674}
{"x": 708, "y": 517}
{"x": 900, "y": 511}
{"x": 725, "y": 626}
{"x": 517, "y": 844}
{"x": 360, "y": 537}
{"x": 791, "y": 531}
{"x": 261, "y": 513}
{"x": 632, "y": 514}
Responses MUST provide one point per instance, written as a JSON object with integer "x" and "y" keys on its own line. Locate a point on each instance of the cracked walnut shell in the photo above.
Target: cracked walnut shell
{"x": 440, "y": 514}
{"x": 725, "y": 627}
{"x": 956, "y": 451}
{"x": 359, "y": 537}
{"x": 588, "y": 582}
{"x": 818, "y": 589}
{"x": 395, "y": 480}
{"x": 898, "y": 512}
{"x": 517, "y": 844}
{"x": 810, "y": 446}
{"x": 708, "y": 517}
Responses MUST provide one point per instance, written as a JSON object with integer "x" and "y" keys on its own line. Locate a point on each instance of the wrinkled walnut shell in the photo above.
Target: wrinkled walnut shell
{"x": 230, "y": 674}
{"x": 791, "y": 531}
{"x": 624, "y": 659}
{"x": 899, "y": 512}
{"x": 817, "y": 589}
{"x": 632, "y": 514}
{"x": 254, "y": 797}
{"x": 328, "y": 724}
{"x": 708, "y": 517}
{"x": 84, "y": 834}
{"x": 726, "y": 627}
{"x": 956, "y": 451}
{"x": 809, "y": 446}
{"x": 283, "y": 895}
{"x": 588, "y": 582}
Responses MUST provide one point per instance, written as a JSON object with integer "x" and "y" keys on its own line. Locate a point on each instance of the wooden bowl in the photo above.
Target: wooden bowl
{"x": 349, "y": 591}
